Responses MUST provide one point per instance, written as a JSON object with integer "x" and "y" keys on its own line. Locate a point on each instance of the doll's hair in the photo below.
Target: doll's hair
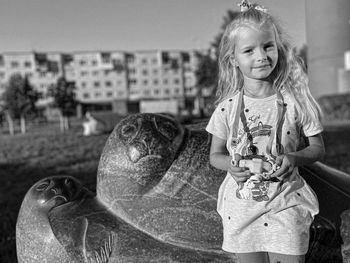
{"x": 288, "y": 74}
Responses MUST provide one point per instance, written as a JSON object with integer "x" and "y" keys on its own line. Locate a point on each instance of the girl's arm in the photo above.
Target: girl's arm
{"x": 313, "y": 152}
{"x": 220, "y": 159}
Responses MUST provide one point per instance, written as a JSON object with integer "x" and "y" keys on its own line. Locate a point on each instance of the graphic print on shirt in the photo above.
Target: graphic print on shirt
{"x": 252, "y": 189}
{"x": 247, "y": 138}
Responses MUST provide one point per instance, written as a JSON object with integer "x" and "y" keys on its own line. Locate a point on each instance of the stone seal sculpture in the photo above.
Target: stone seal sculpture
{"x": 155, "y": 202}
{"x": 152, "y": 191}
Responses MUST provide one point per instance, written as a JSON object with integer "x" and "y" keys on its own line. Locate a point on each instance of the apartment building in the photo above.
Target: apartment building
{"x": 41, "y": 69}
{"x": 190, "y": 65}
{"x": 116, "y": 79}
{"x": 155, "y": 75}
{"x": 100, "y": 78}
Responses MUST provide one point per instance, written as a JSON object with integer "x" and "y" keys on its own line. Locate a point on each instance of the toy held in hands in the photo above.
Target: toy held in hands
{"x": 261, "y": 166}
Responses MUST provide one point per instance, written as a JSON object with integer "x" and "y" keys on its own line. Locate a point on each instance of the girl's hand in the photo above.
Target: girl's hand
{"x": 240, "y": 174}
{"x": 287, "y": 163}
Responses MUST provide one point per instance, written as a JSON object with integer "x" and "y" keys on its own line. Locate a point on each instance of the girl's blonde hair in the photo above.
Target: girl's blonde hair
{"x": 288, "y": 74}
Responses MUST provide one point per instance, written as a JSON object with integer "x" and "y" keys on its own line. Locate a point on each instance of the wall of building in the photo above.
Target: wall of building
{"x": 328, "y": 37}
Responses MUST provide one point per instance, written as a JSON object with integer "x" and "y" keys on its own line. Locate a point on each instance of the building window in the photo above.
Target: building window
{"x": 176, "y": 81}
{"x": 106, "y": 57}
{"x": 156, "y": 91}
{"x": 82, "y": 62}
{"x": 109, "y": 94}
{"x": 132, "y": 81}
{"x": 145, "y": 82}
{"x": 95, "y": 73}
{"x": 83, "y": 84}
{"x": 42, "y": 74}
{"x": 154, "y": 61}
{"x": 130, "y": 58}
{"x": 146, "y": 92}
{"x": 167, "y": 91}
{"x": 165, "y": 81}
{"x": 94, "y": 62}
{"x": 145, "y": 72}
{"x": 27, "y": 64}
{"x": 86, "y": 95}
{"x": 84, "y": 73}
{"x": 108, "y": 84}
{"x": 96, "y": 84}
{"x": 132, "y": 70}
{"x": 120, "y": 93}
{"x": 144, "y": 61}
{"x": 155, "y": 82}
{"x": 155, "y": 71}
{"x": 177, "y": 91}
{"x": 14, "y": 64}
{"x": 97, "y": 94}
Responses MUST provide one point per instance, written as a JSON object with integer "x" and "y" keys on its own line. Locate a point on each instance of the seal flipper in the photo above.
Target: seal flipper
{"x": 85, "y": 229}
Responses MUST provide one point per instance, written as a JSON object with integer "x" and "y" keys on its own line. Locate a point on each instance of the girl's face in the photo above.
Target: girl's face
{"x": 256, "y": 52}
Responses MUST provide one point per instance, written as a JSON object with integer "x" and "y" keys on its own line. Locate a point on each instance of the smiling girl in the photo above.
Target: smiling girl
{"x": 265, "y": 111}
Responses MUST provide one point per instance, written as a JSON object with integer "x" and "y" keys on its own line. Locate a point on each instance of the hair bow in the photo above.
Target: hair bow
{"x": 245, "y": 5}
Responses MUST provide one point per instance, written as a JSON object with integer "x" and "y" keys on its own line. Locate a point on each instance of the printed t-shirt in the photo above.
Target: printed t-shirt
{"x": 273, "y": 216}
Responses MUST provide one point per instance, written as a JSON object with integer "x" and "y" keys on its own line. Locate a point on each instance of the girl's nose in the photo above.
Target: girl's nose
{"x": 261, "y": 56}
{"x": 262, "y": 59}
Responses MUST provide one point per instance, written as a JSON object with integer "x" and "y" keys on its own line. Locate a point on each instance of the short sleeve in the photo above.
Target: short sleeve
{"x": 312, "y": 128}
{"x": 217, "y": 124}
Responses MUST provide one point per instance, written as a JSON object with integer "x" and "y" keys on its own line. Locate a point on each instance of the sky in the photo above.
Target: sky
{"x": 128, "y": 25}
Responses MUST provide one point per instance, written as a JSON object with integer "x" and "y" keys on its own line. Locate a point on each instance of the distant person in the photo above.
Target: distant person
{"x": 264, "y": 111}
{"x": 90, "y": 126}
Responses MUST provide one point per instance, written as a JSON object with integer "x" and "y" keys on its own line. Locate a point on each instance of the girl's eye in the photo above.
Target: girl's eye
{"x": 269, "y": 47}
{"x": 248, "y": 51}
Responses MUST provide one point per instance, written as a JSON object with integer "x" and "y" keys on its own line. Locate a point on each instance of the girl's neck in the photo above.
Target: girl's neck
{"x": 258, "y": 89}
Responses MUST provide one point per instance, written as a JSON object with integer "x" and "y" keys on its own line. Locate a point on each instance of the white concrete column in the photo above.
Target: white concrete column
{"x": 328, "y": 37}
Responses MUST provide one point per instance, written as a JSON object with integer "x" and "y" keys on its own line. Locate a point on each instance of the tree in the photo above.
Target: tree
{"x": 230, "y": 15}
{"x": 64, "y": 99}
{"x": 207, "y": 70}
{"x": 19, "y": 100}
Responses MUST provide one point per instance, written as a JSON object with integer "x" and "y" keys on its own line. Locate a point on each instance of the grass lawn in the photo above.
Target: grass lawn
{"x": 24, "y": 159}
